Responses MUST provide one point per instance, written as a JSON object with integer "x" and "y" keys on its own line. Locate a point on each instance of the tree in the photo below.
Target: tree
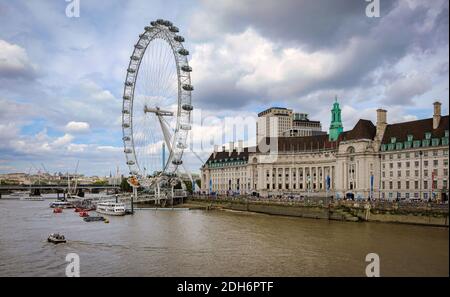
{"x": 188, "y": 184}
{"x": 100, "y": 182}
{"x": 125, "y": 186}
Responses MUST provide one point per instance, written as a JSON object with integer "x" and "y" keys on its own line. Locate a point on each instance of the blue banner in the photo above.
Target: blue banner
{"x": 328, "y": 182}
{"x": 371, "y": 183}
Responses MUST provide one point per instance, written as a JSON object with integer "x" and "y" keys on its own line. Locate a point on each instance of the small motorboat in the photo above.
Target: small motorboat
{"x": 93, "y": 219}
{"x": 79, "y": 209}
{"x": 57, "y": 210}
{"x": 56, "y": 238}
{"x": 83, "y": 214}
{"x": 106, "y": 221}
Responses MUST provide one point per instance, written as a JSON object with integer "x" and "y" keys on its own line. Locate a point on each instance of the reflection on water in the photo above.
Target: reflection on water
{"x": 212, "y": 243}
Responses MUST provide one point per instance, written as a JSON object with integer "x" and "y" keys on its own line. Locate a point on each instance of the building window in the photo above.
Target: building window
{"x": 393, "y": 139}
{"x": 399, "y": 173}
{"x": 427, "y": 135}
{"x": 391, "y": 174}
{"x": 390, "y": 185}
{"x": 408, "y": 164}
{"x": 416, "y": 173}
{"x": 435, "y": 163}
{"x": 383, "y": 185}
{"x": 399, "y": 185}
{"x": 407, "y": 173}
{"x": 416, "y": 184}
{"x": 425, "y": 184}
{"x": 407, "y": 185}
{"x": 416, "y": 164}
{"x": 425, "y": 173}
{"x": 410, "y": 137}
{"x": 425, "y": 163}
{"x": 399, "y": 164}
{"x": 391, "y": 165}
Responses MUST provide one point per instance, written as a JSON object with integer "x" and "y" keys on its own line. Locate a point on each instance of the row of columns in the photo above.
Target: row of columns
{"x": 307, "y": 179}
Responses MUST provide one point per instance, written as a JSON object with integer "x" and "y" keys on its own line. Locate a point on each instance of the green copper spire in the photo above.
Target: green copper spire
{"x": 336, "y": 121}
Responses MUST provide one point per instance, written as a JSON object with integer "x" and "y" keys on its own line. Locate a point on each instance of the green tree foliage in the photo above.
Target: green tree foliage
{"x": 125, "y": 186}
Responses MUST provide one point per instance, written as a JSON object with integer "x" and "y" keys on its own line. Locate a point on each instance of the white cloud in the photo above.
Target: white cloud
{"x": 63, "y": 140}
{"x": 77, "y": 127}
{"x": 14, "y": 61}
{"x": 76, "y": 148}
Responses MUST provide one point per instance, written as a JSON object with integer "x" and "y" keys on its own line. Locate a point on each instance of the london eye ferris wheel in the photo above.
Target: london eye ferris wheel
{"x": 157, "y": 107}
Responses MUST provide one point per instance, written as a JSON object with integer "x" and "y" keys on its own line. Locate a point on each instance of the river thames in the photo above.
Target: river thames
{"x": 212, "y": 243}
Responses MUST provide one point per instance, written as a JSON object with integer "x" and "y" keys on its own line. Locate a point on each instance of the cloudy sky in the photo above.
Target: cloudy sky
{"x": 61, "y": 78}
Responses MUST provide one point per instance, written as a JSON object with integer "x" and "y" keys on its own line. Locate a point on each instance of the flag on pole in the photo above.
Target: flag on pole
{"x": 371, "y": 186}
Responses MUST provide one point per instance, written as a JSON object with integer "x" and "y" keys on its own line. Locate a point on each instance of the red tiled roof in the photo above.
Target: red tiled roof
{"x": 415, "y": 128}
{"x": 364, "y": 129}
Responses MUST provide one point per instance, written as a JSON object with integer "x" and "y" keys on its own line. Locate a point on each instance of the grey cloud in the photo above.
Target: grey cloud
{"x": 222, "y": 94}
{"x": 314, "y": 23}
{"x": 361, "y": 45}
{"x": 403, "y": 90}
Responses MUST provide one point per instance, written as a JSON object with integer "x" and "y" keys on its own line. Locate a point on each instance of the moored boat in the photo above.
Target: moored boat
{"x": 57, "y": 210}
{"x": 111, "y": 208}
{"x": 32, "y": 198}
{"x": 93, "y": 219}
{"x": 83, "y": 214}
{"x": 61, "y": 204}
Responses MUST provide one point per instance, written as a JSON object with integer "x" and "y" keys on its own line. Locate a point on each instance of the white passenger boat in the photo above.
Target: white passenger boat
{"x": 61, "y": 204}
{"x": 111, "y": 208}
{"x": 32, "y": 198}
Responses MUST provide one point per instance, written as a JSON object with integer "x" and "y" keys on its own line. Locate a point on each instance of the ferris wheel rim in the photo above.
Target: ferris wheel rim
{"x": 165, "y": 31}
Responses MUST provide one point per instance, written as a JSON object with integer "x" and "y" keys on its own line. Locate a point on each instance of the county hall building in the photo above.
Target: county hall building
{"x": 406, "y": 160}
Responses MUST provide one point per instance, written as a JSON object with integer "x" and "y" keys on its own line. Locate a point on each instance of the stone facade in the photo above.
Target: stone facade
{"x": 381, "y": 161}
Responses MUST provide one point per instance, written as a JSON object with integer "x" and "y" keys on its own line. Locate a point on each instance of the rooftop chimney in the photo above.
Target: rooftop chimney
{"x": 216, "y": 149}
{"x": 436, "y": 114}
{"x": 381, "y": 123}
{"x": 231, "y": 148}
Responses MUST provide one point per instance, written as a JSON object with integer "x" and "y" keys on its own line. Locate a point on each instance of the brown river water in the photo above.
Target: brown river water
{"x": 212, "y": 243}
